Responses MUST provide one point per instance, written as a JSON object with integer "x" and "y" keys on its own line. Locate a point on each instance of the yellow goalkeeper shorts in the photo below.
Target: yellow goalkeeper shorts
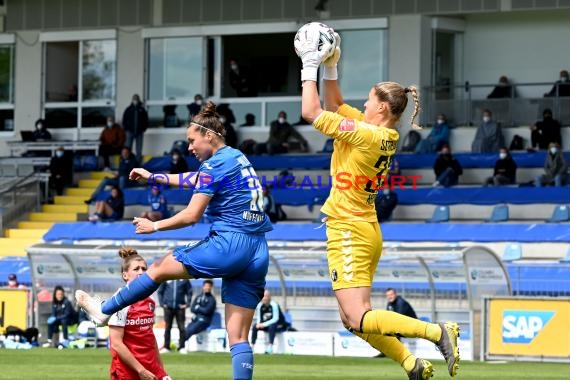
{"x": 353, "y": 252}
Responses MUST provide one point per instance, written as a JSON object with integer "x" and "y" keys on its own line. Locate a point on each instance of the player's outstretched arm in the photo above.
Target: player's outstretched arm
{"x": 332, "y": 95}
{"x": 187, "y": 217}
{"x": 310, "y": 102}
{"x": 182, "y": 179}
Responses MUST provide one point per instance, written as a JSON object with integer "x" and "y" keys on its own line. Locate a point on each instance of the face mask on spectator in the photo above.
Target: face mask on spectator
{"x": 135, "y": 103}
{"x": 281, "y": 120}
{"x": 109, "y": 124}
{"x": 234, "y": 67}
{"x": 563, "y": 79}
{"x": 39, "y": 126}
{"x": 175, "y": 157}
{"x": 222, "y": 119}
{"x": 199, "y": 102}
{"x": 553, "y": 150}
{"x": 486, "y": 119}
{"x": 502, "y": 155}
{"x": 440, "y": 121}
{"x": 59, "y": 153}
{"x": 386, "y": 191}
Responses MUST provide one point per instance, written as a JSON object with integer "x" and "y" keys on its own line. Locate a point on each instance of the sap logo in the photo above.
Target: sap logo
{"x": 522, "y": 326}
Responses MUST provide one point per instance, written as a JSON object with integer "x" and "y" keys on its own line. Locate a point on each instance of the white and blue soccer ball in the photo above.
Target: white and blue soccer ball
{"x": 323, "y": 32}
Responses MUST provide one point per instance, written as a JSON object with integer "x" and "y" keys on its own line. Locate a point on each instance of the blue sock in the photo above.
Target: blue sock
{"x": 136, "y": 290}
{"x": 242, "y": 361}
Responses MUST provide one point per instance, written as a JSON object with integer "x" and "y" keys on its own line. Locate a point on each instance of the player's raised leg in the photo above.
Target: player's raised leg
{"x": 360, "y": 319}
{"x": 416, "y": 368}
{"x": 163, "y": 269}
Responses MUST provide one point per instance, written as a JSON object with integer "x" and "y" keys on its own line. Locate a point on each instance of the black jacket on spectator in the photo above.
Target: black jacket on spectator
{"x": 563, "y": 89}
{"x": 126, "y": 165}
{"x": 63, "y": 310}
{"x": 231, "y": 135}
{"x": 42, "y": 134}
{"x": 445, "y": 161}
{"x": 204, "y": 307}
{"x": 63, "y": 167}
{"x": 401, "y": 306}
{"x": 549, "y": 132}
{"x": 174, "y": 293}
{"x": 180, "y": 166}
{"x": 385, "y": 205}
{"x": 118, "y": 206}
{"x": 506, "y": 167}
{"x": 135, "y": 119}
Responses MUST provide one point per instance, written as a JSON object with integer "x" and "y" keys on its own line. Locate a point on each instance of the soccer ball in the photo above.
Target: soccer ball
{"x": 324, "y": 33}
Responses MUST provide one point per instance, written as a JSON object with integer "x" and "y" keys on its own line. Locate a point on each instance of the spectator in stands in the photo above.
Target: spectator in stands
{"x": 505, "y": 172}
{"x": 203, "y": 307}
{"x": 62, "y": 313}
{"x": 135, "y": 122}
{"x": 555, "y": 168}
{"x": 158, "y": 206}
{"x": 227, "y": 118}
{"x": 301, "y": 121}
{"x": 393, "y": 171}
{"x": 112, "y": 140}
{"x": 503, "y": 90}
{"x": 194, "y": 108}
{"x": 111, "y": 209}
{"x": 174, "y": 296}
{"x": 270, "y": 319}
{"x": 489, "y": 136}
{"x": 170, "y": 119}
{"x": 398, "y": 304}
{"x": 269, "y": 205}
{"x": 438, "y": 136}
{"x": 546, "y": 131}
{"x": 61, "y": 170}
{"x": 121, "y": 178}
{"x": 13, "y": 282}
{"x": 242, "y": 79}
{"x": 41, "y": 133}
{"x": 249, "y": 120}
{"x": 561, "y": 87}
{"x": 178, "y": 163}
{"x": 446, "y": 168}
{"x": 385, "y": 203}
{"x": 280, "y": 132}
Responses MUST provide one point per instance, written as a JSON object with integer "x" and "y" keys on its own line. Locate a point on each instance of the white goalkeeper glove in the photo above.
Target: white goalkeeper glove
{"x": 307, "y": 48}
{"x": 330, "y": 64}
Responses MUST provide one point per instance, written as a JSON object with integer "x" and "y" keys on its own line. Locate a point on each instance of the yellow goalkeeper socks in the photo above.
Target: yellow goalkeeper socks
{"x": 385, "y": 322}
{"x": 392, "y": 348}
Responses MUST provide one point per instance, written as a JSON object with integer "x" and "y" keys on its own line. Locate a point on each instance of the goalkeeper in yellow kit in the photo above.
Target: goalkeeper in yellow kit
{"x": 363, "y": 149}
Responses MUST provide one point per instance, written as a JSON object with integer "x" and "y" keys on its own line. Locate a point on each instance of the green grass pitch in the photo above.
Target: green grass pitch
{"x": 44, "y": 364}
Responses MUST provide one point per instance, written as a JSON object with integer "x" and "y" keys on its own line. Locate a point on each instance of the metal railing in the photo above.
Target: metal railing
{"x": 464, "y": 104}
{"x": 17, "y": 198}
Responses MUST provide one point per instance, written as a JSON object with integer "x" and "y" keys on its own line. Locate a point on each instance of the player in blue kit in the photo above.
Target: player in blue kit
{"x": 227, "y": 189}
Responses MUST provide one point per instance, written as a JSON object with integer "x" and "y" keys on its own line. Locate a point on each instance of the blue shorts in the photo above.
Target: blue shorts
{"x": 241, "y": 260}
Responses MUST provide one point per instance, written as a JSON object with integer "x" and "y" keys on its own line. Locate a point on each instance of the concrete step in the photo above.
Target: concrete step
{"x": 69, "y": 200}
{"x": 89, "y": 183}
{"x": 19, "y": 233}
{"x": 16, "y": 247}
{"x": 79, "y": 191}
{"x": 100, "y": 175}
{"x": 65, "y": 209}
{"x": 35, "y": 225}
{"x": 52, "y": 217}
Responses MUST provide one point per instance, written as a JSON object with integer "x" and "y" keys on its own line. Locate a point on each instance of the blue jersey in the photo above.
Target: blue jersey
{"x": 237, "y": 198}
{"x": 158, "y": 203}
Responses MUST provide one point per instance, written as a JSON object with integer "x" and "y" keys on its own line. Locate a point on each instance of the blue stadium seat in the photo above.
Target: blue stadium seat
{"x": 500, "y": 214}
{"x": 512, "y": 252}
{"x": 440, "y": 214}
{"x": 560, "y": 214}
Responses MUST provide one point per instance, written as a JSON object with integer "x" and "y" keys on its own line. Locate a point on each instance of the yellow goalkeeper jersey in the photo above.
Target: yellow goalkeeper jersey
{"x": 359, "y": 164}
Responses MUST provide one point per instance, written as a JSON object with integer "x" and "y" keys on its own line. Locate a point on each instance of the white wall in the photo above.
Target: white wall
{"x": 130, "y": 68}
{"x": 526, "y": 47}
